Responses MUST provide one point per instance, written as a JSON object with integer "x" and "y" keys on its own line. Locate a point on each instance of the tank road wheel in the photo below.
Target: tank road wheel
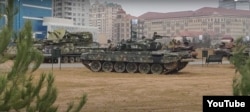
{"x": 119, "y": 67}
{"x": 71, "y": 59}
{"x": 144, "y": 68}
{"x": 95, "y": 66}
{"x": 131, "y": 67}
{"x": 156, "y": 68}
{"x": 65, "y": 60}
{"x": 107, "y": 67}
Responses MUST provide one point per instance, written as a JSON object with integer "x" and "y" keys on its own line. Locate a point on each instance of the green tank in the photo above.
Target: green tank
{"x": 143, "y": 56}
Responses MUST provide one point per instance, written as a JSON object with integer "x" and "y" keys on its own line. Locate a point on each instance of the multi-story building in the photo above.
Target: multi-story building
{"x": 235, "y": 4}
{"x": 122, "y": 26}
{"x": 33, "y": 10}
{"x": 139, "y": 28}
{"x": 77, "y": 10}
{"x": 216, "y": 21}
{"x": 102, "y": 15}
{"x": 127, "y": 27}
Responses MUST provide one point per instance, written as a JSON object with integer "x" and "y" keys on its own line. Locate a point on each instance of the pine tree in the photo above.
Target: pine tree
{"x": 241, "y": 61}
{"x": 18, "y": 92}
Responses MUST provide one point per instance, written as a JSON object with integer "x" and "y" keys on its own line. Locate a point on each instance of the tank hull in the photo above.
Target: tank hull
{"x": 147, "y": 62}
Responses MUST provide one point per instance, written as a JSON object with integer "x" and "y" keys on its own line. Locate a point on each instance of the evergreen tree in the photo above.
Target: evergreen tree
{"x": 241, "y": 61}
{"x": 18, "y": 92}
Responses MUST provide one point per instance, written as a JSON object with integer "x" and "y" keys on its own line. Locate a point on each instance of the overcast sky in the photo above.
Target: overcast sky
{"x": 138, "y": 7}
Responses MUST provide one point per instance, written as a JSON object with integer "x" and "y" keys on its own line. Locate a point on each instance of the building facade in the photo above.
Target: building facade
{"x": 127, "y": 27}
{"x": 103, "y": 15}
{"x": 213, "y": 21}
{"x": 77, "y": 10}
{"x": 33, "y": 10}
{"x": 235, "y": 4}
{"x": 122, "y": 27}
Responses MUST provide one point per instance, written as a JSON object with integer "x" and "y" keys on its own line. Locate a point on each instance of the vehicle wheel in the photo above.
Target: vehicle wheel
{"x": 49, "y": 60}
{"x": 78, "y": 59}
{"x": 71, "y": 59}
{"x": 65, "y": 59}
{"x": 144, "y": 68}
{"x": 95, "y": 66}
{"x": 131, "y": 67}
{"x": 119, "y": 67}
{"x": 156, "y": 68}
{"x": 107, "y": 67}
{"x": 55, "y": 60}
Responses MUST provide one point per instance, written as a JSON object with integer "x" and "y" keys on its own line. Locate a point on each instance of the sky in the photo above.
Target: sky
{"x": 139, "y": 7}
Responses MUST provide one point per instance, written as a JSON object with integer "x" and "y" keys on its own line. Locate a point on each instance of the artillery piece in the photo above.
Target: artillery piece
{"x": 144, "y": 56}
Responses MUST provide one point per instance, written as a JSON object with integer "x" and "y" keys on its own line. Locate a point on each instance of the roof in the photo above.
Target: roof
{"x": 205, "y": 11}
{"x": 121, "y": 11}
{"x": 196, "y": 33}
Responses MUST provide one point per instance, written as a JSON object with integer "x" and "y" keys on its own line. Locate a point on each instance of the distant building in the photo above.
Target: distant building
{"x": 235, "y": 4}
{"x": 102, "y": 15}
{"x": 121, "y": 27}
{"x": 77, "y": 10}
{"x": 138, "y": 27}
{"x": 213, "y": 21}
{"x": 33, "y": 10}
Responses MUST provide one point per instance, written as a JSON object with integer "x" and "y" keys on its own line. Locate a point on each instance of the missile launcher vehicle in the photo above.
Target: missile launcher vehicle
{"x": 70, "y": 45}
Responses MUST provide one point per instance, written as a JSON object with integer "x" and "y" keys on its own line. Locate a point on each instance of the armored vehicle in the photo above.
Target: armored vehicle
{"x": 225, "y": 48}
{"x": 144, "y": 56}
{"x": 70, "y": 45}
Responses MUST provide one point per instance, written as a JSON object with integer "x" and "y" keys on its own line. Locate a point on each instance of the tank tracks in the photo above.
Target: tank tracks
{"x": 130, "y": 67}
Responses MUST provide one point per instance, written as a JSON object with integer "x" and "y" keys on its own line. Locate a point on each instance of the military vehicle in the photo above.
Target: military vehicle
{"x": 225, "y": 48}
{"x": 69, "y": 44}
{"x": 144, "y": 56}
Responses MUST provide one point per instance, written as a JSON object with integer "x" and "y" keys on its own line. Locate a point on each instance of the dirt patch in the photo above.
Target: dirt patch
{"x": 123, "y": 92}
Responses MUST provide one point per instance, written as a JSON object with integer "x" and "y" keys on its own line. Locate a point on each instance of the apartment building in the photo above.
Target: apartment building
{"x": 235, "y": 4}
{"x": 214, "y": 21}
{"x": 77, "y": 10}
{"x": 103, "y": 15}
{"x": 121, "y": 26}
